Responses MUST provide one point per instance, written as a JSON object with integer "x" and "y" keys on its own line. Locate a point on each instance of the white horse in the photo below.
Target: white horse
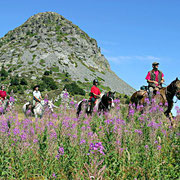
{"x": 4, "y": 105}
{"x": 38, "y": 109}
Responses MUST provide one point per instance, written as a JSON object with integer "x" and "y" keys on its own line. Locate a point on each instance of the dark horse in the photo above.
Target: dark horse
{"x": 165, "y": 95}
{"x": 104, "y": 103}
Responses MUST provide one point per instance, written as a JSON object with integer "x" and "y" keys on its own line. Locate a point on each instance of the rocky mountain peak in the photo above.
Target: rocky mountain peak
{"x": 49, "y": 41}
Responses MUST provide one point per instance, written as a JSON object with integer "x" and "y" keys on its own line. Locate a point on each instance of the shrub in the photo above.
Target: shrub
{"x": 15, "y": 90}
{"x": 49, "y": 82}
{"x": 125, "y": 96}
{"x": 73, "y": 88}
{"x": 47, "y": 73}
{"x": 42, "y": 86}
{"x": 3, "y": 72}
{"x": 42, "y": 61}
{"x": 55, "y": 69}
{"x": 15, "y": 81}
{"x": 23, "y": 81}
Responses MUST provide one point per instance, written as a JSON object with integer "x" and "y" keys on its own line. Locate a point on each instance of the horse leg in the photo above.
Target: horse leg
{"x": 168, "y": 112}
{"x": 35, "y": 113}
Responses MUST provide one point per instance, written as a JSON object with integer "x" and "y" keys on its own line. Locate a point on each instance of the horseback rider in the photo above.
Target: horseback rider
{"x": 154, "y": 78}
{"x": 95, "y": 92}
{"x": 3, "y": 93}
{"x": 36, "y": 95}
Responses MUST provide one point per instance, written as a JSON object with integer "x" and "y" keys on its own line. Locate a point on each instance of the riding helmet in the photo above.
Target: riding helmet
{"x": 155, "y": 63}
{"x": 35, "y": 87}
{"x": 95, "y": 81}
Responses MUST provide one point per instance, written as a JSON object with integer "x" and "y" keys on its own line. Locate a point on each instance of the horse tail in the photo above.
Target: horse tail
{"x": 82, "y": 106}
{"x": 24, "y": 108}
{"x": 79, "y": 108}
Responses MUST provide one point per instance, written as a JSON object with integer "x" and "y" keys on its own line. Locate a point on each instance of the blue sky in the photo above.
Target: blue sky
{"x": 131, "y": 33}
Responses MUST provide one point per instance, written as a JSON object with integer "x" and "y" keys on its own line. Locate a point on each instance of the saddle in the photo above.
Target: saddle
{"x": 145, "y": 89}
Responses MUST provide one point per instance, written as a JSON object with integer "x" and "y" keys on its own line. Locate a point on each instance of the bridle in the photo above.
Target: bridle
{"x": 109, "y": 102}
{"x": 168, "y": 92}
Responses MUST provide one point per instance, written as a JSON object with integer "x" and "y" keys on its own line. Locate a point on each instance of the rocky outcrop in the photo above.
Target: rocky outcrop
{"x": 48, "y": 40}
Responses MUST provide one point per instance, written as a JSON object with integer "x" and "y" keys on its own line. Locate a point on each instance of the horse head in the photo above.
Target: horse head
{"x": 177, "y": 88}
{"x": 51, "y": 105}
{"x": 108, "y": 99}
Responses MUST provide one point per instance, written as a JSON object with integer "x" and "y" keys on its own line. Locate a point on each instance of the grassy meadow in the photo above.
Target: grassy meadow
{"x": 110, "y": 146}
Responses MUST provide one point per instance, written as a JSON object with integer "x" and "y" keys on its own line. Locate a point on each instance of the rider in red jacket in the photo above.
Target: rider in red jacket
{"x": 3, "y": 93}
{"x": 95, "y": 92}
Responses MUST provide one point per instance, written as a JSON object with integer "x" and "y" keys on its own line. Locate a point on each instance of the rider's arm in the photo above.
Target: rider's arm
{"x": 150, "y": 81}
{"x": 37, "y": 98}
{"x": 40, "y": 97}
{"x": 162, "y": 81}
{"x": 96, "y": 95}
{"x": 148, "y": 78}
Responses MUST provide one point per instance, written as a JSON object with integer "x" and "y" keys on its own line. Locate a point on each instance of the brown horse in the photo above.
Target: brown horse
{"x": 165, "y": 95}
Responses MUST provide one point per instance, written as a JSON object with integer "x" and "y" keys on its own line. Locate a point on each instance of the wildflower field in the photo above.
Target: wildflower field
{"x": 109, "y": 146}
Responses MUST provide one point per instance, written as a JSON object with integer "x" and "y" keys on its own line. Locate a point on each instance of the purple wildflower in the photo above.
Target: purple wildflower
{"x": 16, "y": 131}
{"x": 53, "y": 135}
{"x": 23, "y": 136}
{"x": 1, "y": 109}
{"x": 11, "y": 99}
{"x": 157, "y": 92}
{"x": 97, "y": 147}
{"x": 83, "y": 128}
{"x": 82, "y": 141}
{"x": 54, "y": 115}
{"x": 35, "y": 141}
{"x": 54, "y": 175}
{"x": 131, "y": 112}
{"x": 60, "y": 152}
{"x": 159, "y": 147}
{"x": 138, "y": 131}
{"x": 74, "y": 136}
{"x": 72, "y": 102}
{"x": 164, "y": 132}
{"x": 146, "y": 146}
{"x": 90, "y": 133}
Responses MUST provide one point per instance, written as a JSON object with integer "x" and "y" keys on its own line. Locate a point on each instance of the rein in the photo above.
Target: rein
{"x": 108, "y": 101}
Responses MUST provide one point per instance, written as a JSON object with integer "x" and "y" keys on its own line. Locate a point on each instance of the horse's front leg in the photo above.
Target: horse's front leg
{"x": 35, "y": 113}
{"x": 41, "y": 114}
{"x": 168, "y": 112}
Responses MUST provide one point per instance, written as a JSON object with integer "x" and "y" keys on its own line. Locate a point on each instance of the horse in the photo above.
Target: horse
{"x": 38, "y": 109}
{"x": 4, "y": 105}
{"x": 165, "y": 95}
{"x": 104, "y": 103}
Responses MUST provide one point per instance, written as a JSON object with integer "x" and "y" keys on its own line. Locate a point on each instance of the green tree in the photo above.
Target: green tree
{"x": 50, "y": 83}
{"x": 3, "y": 72}
{"x": 15, "y": 81}
{"x": 73, "y": 88}
{"x": 23, "y": 81}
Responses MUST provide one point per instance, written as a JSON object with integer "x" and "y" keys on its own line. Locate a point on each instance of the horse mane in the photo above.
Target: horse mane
{"x": 172, "y": 84}
{"x": 99, "y": 100}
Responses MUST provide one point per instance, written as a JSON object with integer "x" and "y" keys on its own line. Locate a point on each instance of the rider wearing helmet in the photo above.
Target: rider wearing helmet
{"x": 95, "y": 92}
{"x": 3, "y": 93}
{"x": 155, "y": 78}
{"x": 36, "y": 95}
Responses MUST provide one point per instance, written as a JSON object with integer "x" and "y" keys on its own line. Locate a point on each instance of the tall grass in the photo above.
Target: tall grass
{"x": 110, "y": 146}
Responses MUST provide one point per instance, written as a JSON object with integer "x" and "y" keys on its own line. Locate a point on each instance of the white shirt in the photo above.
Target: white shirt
{"x": 37, "y": 94}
